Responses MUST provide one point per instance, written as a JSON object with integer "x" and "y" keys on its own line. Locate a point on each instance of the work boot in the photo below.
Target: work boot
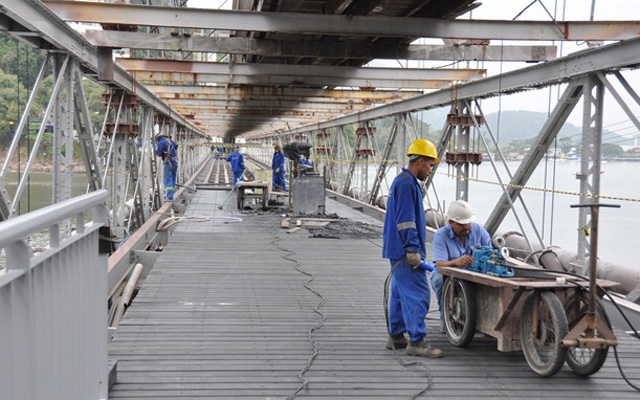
{"x": 399, "y": 341}
{"x": 422, "y": 349}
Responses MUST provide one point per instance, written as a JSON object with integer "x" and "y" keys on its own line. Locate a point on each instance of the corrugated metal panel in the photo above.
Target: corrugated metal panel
{"x": 226, "y": 314}
{"x": 53, "y": 335}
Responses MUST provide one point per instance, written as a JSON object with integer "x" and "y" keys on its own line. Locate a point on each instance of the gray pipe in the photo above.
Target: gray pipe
{"x": 126, "y": 295}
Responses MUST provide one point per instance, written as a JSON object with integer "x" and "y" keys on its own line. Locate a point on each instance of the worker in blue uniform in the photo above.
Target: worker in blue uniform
{"x": 454, "y": 243}
{"x": 305, "y": 161}
{"x": 404, "y": 244}
{"x": 237, "y": 165}
{"x": 277, "y": 167}
{"x": 167, "y": 148}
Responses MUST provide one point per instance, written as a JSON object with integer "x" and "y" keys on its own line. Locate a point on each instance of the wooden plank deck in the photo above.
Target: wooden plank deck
{"x": 236, "y": 311}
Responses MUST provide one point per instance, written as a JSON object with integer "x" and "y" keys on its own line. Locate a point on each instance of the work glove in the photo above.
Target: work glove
{"x": 277, "y": 170}
{"x": 413, "y": 259}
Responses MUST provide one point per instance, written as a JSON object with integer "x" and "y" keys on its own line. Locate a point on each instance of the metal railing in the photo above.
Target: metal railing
{"x": 53, "y": 311}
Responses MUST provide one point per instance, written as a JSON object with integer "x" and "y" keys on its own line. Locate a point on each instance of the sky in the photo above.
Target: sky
{"x": 541, "y": 100}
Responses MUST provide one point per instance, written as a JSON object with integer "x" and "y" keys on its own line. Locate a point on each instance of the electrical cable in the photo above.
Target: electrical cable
{"x": 169, "y": 222}
{"x": 402, "y": 362}
{"x": 320, "y": 324}
{"x": 553, "y": 275}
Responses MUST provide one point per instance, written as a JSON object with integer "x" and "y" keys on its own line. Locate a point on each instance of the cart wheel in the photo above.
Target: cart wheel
{"x": 459, "y": 311}
{"x": 543, "y": 325}
{"x": 584, "y": 361}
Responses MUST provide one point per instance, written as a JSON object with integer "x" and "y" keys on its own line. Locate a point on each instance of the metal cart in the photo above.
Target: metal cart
{"x": 543, "y": 317}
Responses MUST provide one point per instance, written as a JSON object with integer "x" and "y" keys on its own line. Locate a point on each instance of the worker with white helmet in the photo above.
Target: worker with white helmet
{"x": 454, "y": 243}
{"x": 404, "y": 244}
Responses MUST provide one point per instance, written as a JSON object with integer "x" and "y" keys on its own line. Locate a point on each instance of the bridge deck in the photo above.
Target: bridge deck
{"x": 226, "y": 313}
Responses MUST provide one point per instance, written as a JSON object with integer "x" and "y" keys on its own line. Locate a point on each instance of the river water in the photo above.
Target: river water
{"x": 550, "y": 192}
{"x": 38, "y": 192}
{"x": 551, "y": 213}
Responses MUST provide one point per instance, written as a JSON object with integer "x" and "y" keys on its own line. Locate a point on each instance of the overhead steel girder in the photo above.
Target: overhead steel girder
{"x": 55, "y": 34}
{"x": 266, "y": 104}
{"x": 305, "y": 48}
{"x": 287, "y": 100}
{"x": 342, "y": 25}
{"x": 251, "y": 120}
{"x": 257, "y": 112}
{"x": 266, "y": 80}
{"x": 614, "y": 56}
{"x": 264, "y": 92}
{"x": 330, "y": 71}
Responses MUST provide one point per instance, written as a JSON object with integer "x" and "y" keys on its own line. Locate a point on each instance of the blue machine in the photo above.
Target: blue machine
{"x": 427, "y": 266}
{"x": 490, "y": 261}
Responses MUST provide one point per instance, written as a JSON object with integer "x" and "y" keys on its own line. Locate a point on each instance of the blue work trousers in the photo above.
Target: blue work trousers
{"x": 436, "y": 284}
{"x": 278, "y": 179}
{"x": 170, "y": 175}
{"x": 409, "y": 302}
{"x": 237, "y": 176}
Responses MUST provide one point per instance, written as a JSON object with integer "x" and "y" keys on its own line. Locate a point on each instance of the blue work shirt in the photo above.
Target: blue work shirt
{"x": 404, "y": 224}
{"x": 167, "y": 147}
{"x": 237, "y": 161}
{"x": 305, "y": 161}
{"x": 446, "y": 245}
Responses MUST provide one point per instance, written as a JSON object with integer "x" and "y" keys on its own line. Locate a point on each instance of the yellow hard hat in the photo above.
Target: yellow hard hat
{"x": 423, "y": 147}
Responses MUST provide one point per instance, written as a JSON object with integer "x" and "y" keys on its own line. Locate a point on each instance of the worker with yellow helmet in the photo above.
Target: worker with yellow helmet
{"x": 404, "y": 244}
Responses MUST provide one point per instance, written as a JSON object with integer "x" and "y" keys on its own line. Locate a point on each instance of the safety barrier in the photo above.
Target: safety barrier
{"x": 53, "y": 311}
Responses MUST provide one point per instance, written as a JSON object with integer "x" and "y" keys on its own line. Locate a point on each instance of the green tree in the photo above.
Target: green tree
{"x": 611, "y": 150}
{"x": 93, "y": 91}
{"x": 9, "y": 106}
{"x": 16, "y": 58}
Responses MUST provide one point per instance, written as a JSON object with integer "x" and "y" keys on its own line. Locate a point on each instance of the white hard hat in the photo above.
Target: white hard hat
{"x": 460, "y": 211}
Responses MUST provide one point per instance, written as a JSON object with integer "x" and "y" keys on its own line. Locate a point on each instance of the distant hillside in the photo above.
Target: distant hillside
{"x": 521, "y": 125}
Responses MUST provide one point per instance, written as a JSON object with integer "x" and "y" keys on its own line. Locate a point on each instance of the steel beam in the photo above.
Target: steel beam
{"x": 342, "y": 25}
{"x": 256, "y": 112}
{"x": 316, "y": 81}
{"x": 590, "y": 166}
{"x": 213, "y": 98}
{"x": 273, "y": 105}
{"x": 280, "y": 92}
{"x": 297, "y": 71}
{"x": 317, "y": 49}
{"x": 538, "y": 149}
{"x": 615, "y": 56}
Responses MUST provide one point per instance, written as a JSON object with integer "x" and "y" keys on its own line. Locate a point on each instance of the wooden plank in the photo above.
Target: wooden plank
{"x": 314, "y": 224}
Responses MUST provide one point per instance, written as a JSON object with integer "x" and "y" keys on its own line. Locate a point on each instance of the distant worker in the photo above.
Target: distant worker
{"x": 305, "y": 161}
{"x": 277, "y": 166}
{"x": 454, "y": 243}
{"x": 404, "y": 244}
{"x": 237, "y": 165}
{"x": 166, "y": 148}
